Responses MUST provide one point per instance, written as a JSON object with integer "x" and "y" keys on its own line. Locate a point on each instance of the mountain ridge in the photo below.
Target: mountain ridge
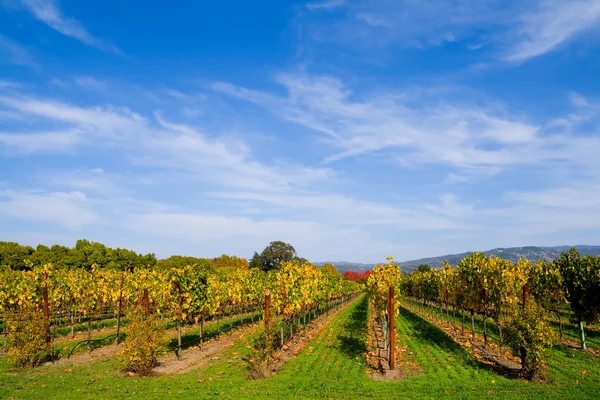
{"x": 531, "y": 253}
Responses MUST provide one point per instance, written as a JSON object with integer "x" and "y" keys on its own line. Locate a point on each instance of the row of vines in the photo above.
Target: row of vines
{"x": 46, "y": 298}
{"x": 519, "y": 299}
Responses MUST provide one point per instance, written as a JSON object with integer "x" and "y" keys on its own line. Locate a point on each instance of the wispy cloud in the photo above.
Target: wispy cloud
{"x": 14, "y": 53}
{"x": 325, "y": 5}
{"x": 91, "y": 83}
{"x": 512, "y": 31}
{"x": 551, "y": 24}
{"x": 40, "y": 142}
{"x": 48, "y": 12}
{"x": 175, "y": 146}
{"x": 476, "y": 139}
{"x": 68, "y": 209}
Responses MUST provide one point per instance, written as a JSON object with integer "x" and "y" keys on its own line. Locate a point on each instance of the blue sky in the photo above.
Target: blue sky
{"x": 352, "y": 129}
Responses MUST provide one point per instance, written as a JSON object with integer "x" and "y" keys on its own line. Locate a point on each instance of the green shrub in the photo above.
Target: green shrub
{"x": 145, "y": 338}
{"x": 528, "y": 334}
{"x": 263, "y": 347}
{"x": 27, "y": 345}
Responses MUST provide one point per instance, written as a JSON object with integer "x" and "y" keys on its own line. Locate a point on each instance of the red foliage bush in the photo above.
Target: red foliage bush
{"x": 355, "y": 276}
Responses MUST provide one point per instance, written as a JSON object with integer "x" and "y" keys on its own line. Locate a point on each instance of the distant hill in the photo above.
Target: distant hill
{"x": 531, "y": 253}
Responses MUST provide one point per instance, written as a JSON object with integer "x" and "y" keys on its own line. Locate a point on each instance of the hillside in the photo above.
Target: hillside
{"x": 531, "y": 253}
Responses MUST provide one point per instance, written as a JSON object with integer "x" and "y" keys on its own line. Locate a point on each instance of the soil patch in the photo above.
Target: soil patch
{"x": 378, "y": 356}
{"x": 195, "y": 358}
{"x": 80, "y": 358}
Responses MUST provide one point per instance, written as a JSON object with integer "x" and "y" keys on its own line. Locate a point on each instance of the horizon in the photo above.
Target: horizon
{"x": 350, "y": 129}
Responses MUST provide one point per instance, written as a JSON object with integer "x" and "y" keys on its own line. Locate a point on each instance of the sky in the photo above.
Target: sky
{"x": 352, "y": 129}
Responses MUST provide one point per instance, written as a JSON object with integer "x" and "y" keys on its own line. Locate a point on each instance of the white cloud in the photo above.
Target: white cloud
{"x": 551, "y": 24}
{"x": 338, "y": 209}
{"x": 4, "y": 84}
{"x": 171, "y": 187}
{"x": 373, "y": 24}
{"x": 451, "y": 207}
{"x": 177, "y": 147}
{"x": 89, "y": 82}
{"x": 68, "y": 209}
{"x": 109, "y": 121}
{"x": 40, "y": 142}
{"x": 325, "y": 5}
{"x": 14, "y": 53}
{"x": 47, "y": 12}
{"x": 513, "y": 31}
{"x": 243, "y": 235}
{"x": 422, "y": 125}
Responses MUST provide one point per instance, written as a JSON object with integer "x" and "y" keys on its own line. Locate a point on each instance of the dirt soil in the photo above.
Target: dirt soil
{"x": 80, "y": 358}
{"x": 377, "y": 356}
{"x": 195, "y": 358}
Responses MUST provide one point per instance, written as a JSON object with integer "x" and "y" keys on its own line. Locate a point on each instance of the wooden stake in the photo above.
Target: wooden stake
{"x": 147, "y": 302}
{"x": 392, "y": 329}
{"x": 45, "y": 307}
{"x": 120, "y": 308}
{"x": 267, "y": 309}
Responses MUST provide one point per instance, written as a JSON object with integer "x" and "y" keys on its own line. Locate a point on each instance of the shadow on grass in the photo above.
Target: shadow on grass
{"x": 353, "y": 338}
{"x": 431, "y": 335}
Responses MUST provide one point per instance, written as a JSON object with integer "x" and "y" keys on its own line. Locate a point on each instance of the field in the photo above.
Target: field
{"x": 332, "y": 365}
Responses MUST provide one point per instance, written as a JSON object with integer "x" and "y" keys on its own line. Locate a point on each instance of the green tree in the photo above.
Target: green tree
{"x": 183, "y": 261}
{"x": 423, "y": 268}
{"x": 273, "y": 256}
{"x": 13, "y": 255}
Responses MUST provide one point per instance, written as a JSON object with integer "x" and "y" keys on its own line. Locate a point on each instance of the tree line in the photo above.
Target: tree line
{"x": 86, "y": 254}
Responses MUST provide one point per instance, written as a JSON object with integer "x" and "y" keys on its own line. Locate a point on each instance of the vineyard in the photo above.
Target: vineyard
{"x": 484, "y": 327}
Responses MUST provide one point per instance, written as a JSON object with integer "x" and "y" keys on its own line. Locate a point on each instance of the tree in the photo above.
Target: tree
{"x": 423, "y": 268}
{"x": 273, "y": 256}
{"x": 182, "y": 261}
{"x": 13, "y": 255}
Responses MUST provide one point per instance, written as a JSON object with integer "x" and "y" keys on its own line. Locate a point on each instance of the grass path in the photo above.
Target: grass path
{"x": 332, "y": 365}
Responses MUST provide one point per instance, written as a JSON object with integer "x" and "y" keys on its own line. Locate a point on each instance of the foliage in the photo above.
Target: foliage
{"x": 273, "y": 256}
{"x": 423, "y": 268}
{"x": 529, "y": 335}
{"x": 357, "y": 276}
{"x": 145, "y": 337}
{"x": 330, "y": 269}
{"x": 84, "y": 255}
{"x": 13, "y": 255}
{"x": 581, "y": 279}
{"x": 263, "y": 345}
{"x": 228, "y": 264}
{"x": 378, "y": 284}
{"x": 27, "y": 344}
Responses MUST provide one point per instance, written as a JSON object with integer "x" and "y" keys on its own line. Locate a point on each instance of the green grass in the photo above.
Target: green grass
{"x": 570, "y": 330}
{"x": 331, "y": 366}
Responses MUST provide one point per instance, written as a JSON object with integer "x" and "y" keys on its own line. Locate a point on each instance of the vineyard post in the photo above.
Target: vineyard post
{"x": 45, "y": 307}
{"x": 523, "y": 351}
{"x": 392, "y": 330}
{"x": 120, "y": 308}
{"x": 146, "y": 302}
{"x": 267, "y": 309}
{"x": 201, "y": 323}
